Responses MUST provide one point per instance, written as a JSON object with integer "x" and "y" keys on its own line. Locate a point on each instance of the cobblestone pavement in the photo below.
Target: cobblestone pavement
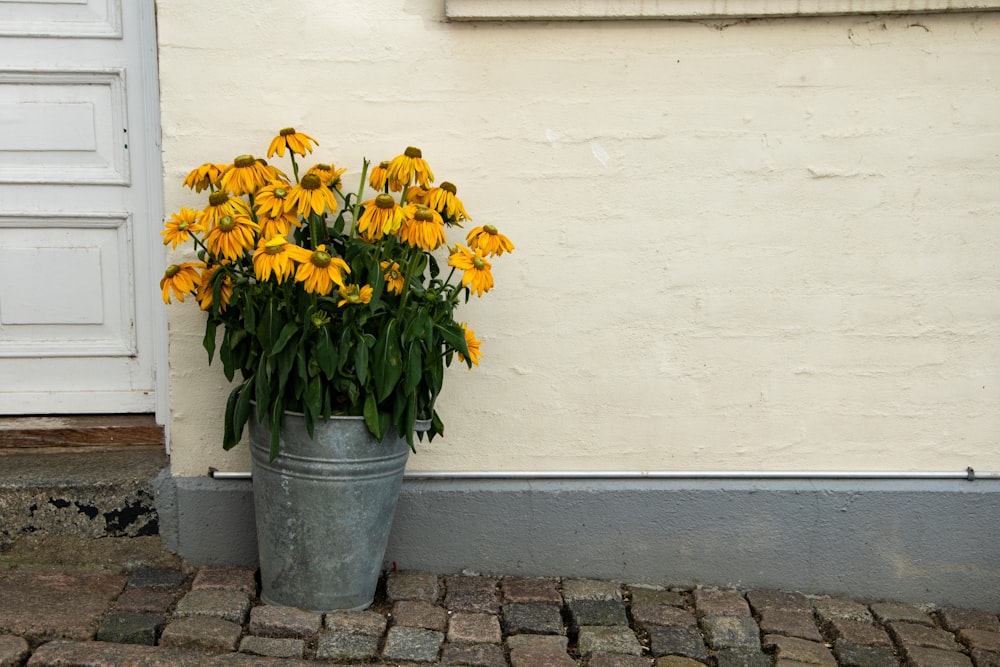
{"x": 212, "y": 616}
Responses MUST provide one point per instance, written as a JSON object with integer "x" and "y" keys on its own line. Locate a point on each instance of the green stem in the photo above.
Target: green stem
{"x": 357, "y": 198}
{"x": 295, "y": 166}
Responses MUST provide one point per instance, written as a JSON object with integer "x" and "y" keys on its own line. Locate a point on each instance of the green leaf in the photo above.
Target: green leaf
{"x": 361, "y": 362}
{"x": 209, "y": 341}
{"x": 270, "y": 325}
{"x": 414, "y": 367}
{"x": 287, "y": 333}
{"x": 388, "y": 363}
{"x": 312, "y": 403}
{"x": 237, "y": 413}
{"x": 455, "y": 338}
{"x": 325, "y": 354}
{"x": 372, "y": 420}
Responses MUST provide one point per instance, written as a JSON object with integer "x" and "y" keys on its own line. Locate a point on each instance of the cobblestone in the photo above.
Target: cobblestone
{"x": 212, "y": 617}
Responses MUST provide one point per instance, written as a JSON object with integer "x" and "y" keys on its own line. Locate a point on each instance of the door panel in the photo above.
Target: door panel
{"x": 79, "y": 215}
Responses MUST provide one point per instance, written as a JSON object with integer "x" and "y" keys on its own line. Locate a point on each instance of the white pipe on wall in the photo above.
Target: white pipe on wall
{"x": 967, "y": 474}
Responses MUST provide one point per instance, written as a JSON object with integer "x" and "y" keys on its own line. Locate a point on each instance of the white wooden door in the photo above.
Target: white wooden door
{"x": 80, "y": 206}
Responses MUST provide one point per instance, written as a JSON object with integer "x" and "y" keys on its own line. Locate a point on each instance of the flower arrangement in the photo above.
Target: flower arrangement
{"x": 327, "y": 304}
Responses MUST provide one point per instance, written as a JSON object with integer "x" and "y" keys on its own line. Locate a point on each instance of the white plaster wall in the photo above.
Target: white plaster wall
{"x": 764, "y": 245}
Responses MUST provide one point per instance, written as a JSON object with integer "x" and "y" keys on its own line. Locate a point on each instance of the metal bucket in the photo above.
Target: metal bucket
{"x": 324, "y": 508}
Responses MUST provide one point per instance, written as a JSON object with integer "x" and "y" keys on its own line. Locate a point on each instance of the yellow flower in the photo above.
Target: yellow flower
{"x": 382, "y": 216}
{"x": 295, "y": 142}
{"x": 329, "y": 176}
{"x": 180, "y": 279}
{"x": 443, "y": 200}
{"x": 278, "y": 226}
{"x": 220, "y": 205}
{"x": 416, "y": 195}
{"x": 206, "y": 176}
{"x": 470, "y": 341}
{"x": 488, "y": 240}
{"x": 245, "y": 176}
{"x": 273, "y": 173}
{"x": 231, "y": 236}
{"x": 318, "y": 270}
{"x": 181, "y": 226}
{"x": 394, "y": 280}
{"x": 379, "y": 177}
{"x": 404, "y": 168}
{"x": 422, "y": 227}
{"x": 476, "y": 268}
{"x": 310, "y": 195}
{"x": 206, "y": 291}
{"x": 354, "y": 294}
{"x": 270, "y": 199}
{"x": 272, "y": 256}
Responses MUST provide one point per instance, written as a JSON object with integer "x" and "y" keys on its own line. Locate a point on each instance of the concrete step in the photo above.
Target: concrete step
{"x": 78, "y": 493}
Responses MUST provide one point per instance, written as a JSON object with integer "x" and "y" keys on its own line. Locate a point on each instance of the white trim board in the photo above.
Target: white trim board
{"x": 516, "y": 10}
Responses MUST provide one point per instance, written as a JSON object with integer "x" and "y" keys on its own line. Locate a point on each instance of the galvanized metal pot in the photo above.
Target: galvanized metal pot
{"x": 324, "y": 508}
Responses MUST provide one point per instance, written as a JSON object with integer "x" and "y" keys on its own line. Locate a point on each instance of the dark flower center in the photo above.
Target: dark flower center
{"x": 218, "y": 198}
{"x": 227, "y": 223}
{"x": 311, "y": 182}
{"x": 285, "y": 131}
{"x": 385, "y": 201}
{"x": 449, "y": 188}
{"x": 244, "y": 161}
{"x": 321, "y": 259}
{"x": 412, "y": 152}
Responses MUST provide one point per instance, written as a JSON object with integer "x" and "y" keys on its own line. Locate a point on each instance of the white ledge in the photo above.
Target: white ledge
{"x": 517, "y": 10}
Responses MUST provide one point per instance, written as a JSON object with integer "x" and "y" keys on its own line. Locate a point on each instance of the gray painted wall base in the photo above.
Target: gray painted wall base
{"x": 911, "y": 541}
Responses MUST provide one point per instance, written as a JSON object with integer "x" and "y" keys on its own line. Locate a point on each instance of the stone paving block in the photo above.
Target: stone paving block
{"x": 537, "y": 619}
{"x": 920, "y": 656}
{"x": 156, "y": 579}
{"x": 13, "y": 651}
{"x": 715, "y": 602}
{"x": 616, "y": 660}
{"x": 413, "y": 644}
{"x": 912, "y": 634}
{"x": 849, "y": 654}
{"x": 684, "y": 642}
{"x": 985, "y": 658}
{"x": 364, "y": 622}
{"x": 799, "y": 650}
{"x": 596, "y": 612}
{"x": 131, "y": 627}
{"x": 536, "y": 657}
{"x": 149, "y": 600}
{"x": 548, "y": 642}
{"x": 201, "y": 632}
{"x": 343, "y": 646}
{"x": 526, "y": 590}
{"x": 955, "y": 619}
{"x": 41, "y": 606}
{"x": 980, "y": 639}
{"x": 226, "y": 578}
{"x": 792, "y": 623}
{"x": 274, "y": 647}
{"x": 471, "y": 593}
{"x": 742, "y": 657}
{"x": 229, "y": 605}
{"x": 103, "y": 654}
{"x": 857, "y": 632}
{"x": 418, "y": 614}
{"x": 888, "y": 612}
{"x": 473, "y": 655}
{"x": 765, "y": 598}
{"x": 656, "y": 596}
{"x": 474, "y": 628}
{"x": 279, "y": 621}
{"x": 608, "y": 639}
{"x": 677, "y": 661}
{"x": 731, "y": 632}
{"x": 646, "y": 615}
{"x": 590, "y": 589}
{"x": 406, "y": 585}
{"x": 828, "y": 609}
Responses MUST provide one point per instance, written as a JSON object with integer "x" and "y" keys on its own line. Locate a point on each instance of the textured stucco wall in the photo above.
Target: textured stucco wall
{"x": 741, "y": 246}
